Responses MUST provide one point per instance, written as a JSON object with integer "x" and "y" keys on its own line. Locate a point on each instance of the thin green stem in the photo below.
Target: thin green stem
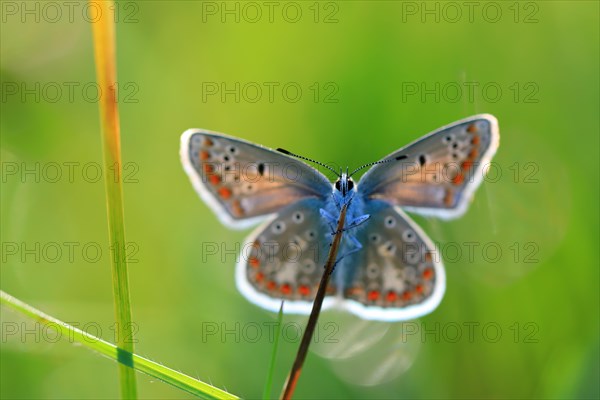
{"x": 104, "y": 49}
{"x": 269, "y": 382}
{"x": 151, "y": 368}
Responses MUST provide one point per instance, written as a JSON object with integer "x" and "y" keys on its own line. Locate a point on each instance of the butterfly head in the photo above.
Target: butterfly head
{"x": 344, "y": 184}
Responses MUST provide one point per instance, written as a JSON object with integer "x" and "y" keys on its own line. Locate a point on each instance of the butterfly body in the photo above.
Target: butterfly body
{"x": 387, "y": 267}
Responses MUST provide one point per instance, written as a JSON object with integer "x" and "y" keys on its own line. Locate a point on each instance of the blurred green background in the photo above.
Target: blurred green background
{"x": 522, "y": 323}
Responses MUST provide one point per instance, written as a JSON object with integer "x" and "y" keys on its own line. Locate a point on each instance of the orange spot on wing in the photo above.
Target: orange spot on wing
{"x": 254, "y": 262}
{"x": 214, "y": 179}
{"x": 204, "y": 155}
{"x": 208, "y": 168}
{"x": 225, "y": 192}
{"x": 475, "y": 140}
{"x": 428, "y": 274}
{"x": 419, "y": 288}
{"x": 428, "y": 256}
{"x": 406, "y": 295}
{"x": 458, "y": 179}
{"x": 373, "y": 295}
{"x": 472, "y": 128}
{"x": 271, "y": 285}
{"x": 259, "y": 277}
{"x": 391, "y": 296}
{"x": 467, "y": 164}
{"x": 303, "y": 290}
{"x": 256, "y": 244}
{"x": 286, "y": 288}
{"x": 473, "y": 154}
{"x": 208, "y": 142}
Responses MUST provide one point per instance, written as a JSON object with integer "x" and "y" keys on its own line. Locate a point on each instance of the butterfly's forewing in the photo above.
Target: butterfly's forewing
{"x": 285, "y": 259}
{"x": 397, "y": 275}
{"x": 436, "y": 175}
{"x": 242, "y": 181}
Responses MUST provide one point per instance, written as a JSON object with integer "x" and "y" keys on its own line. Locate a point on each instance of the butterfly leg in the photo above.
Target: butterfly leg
{"x": 353, "y": 224}
{"x": 331, "y": 220}
{"x": 345, "y": 200}
{"x": 337, "y": 205}
{"x": 357, "y": 245}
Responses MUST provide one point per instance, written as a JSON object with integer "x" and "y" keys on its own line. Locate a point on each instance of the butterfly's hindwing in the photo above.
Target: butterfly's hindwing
{"x": 397, "y": 275}
{"x": 436, "y": 175}
{"x": 242, "y": 181}
{"x": 286, "y": 258}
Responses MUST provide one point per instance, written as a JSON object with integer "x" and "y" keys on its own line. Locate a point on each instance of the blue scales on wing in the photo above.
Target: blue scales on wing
{"x": 286, "y": 259}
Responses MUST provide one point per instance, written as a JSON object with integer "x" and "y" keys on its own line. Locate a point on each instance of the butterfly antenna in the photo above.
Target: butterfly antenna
{"x": 284, "y": 151}
{"x": 399, "y": 158}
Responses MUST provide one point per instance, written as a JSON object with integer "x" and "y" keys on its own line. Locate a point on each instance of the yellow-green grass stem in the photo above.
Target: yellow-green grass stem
{"x": 134, "y": 361}
{"x": 105, "y": 56}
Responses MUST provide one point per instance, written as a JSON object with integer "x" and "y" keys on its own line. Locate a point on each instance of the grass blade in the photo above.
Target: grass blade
{"x": 151, "y": 368}
{"x": 104, "y": 51}
{"x": 269, "y": 382}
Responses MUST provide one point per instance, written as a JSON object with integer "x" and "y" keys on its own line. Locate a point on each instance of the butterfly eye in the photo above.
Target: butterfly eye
{"x": 337, "y": 185}
{"x": 350, "y": 184}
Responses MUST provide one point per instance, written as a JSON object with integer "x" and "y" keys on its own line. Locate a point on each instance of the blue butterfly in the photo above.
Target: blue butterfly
{"x": 389, "y": 269}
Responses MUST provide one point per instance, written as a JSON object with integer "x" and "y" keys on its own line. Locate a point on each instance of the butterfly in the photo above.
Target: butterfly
{"x": 388, "y": 267}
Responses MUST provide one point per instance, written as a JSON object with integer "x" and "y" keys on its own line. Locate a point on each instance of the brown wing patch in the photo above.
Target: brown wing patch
{"x": 248, "y": 180}
{"x": 438, "y": 170}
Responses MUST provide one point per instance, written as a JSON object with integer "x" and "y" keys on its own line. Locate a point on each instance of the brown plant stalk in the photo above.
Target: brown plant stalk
{"x": 294, "y": 375}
